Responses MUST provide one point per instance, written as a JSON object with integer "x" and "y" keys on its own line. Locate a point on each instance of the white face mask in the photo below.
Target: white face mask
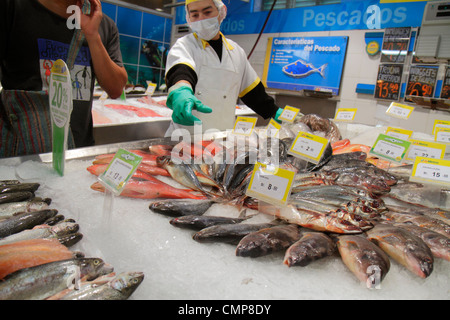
{"x": 206, "y": 29}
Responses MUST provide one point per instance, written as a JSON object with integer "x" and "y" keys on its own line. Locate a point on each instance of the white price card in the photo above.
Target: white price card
{"x": 345, "y": 114}
{"x": 270, "y": 183}
{"x": 308, "y": 146}
{"x": 273, "y": 128}
{"x": 425, "y": 149}
{"x": 399, "y": 133}
{"x": 435, "y": 171}
{"x": 399, "y": 110}
{"x": 244, "y": 125}
{"x": 442, "y": 135}
{"x": 120, "y": 170}
{"x": 390, "y": 148}
{"x": 289, "y": 113}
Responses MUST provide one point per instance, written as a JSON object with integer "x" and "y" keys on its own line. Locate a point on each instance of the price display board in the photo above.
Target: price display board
{"x": 445, "y": 92}
{"x": 435, "y": 171}
{"x": 395, "y": 44}
{"x": 388, "y": 81}
{"x": 422, "y": 81}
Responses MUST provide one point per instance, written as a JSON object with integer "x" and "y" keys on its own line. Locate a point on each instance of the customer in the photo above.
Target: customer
{"x": 33, "y": 35}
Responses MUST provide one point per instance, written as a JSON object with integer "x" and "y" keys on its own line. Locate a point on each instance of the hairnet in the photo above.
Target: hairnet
{"x": 219, "y": 5}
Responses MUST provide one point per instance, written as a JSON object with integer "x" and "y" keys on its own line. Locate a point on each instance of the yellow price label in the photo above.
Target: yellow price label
{"x": 308, "y": 146}
{"x": 440, "y": 124}
{"x": 399, "y": 133}
{"x": 425, "y": 149}
{"x": 289, "y": 113}
{"x": 434, "y": 171}
{"x": 442, "y": 135}
{"x": 273, "y": 128}
{"x": 345, "y": 114}
{"x": 399, "y": 110}
{"x": 244, "y": 125}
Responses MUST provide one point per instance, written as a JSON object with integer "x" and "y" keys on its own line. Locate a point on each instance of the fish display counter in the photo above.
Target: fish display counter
{"x": 138, "y": 117}
{"x": 143, "y": 232}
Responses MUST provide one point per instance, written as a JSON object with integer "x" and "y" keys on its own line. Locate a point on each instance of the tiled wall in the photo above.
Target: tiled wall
{"x": 144, "y": 42}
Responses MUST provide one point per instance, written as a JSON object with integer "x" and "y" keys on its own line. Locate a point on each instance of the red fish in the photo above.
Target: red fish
{"x": 152, "y": 189}
{"x": 144, "y": 172}
{"x": 140, "y": 112}
{"x": 147, "y": 157}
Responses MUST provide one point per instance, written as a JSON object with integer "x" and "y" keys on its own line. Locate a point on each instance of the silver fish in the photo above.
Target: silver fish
{"x": 438, "y": 243}
{"x": 404, "y": 247}
{"x": 268, "y": 240}
{"x": 421, "y": 195}
{"x": 196, "y": 222}
{"x": 181, "y": 207}
{"x": 36, "y": 204}
{"x": 364, "y": 259}
{"x": 228, "y": 233}
{"x": 311, "y": 246}
{"x": 45, "y": 280}
{"x": 119, "y": 288}
{"x": 23, "y": 221}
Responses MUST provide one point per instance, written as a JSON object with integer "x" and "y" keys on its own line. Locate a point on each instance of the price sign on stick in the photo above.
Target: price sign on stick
{"x": 399, "y": 133}
{"x": 244, "y": 125}
{"x": 431, "y": 171}
{"x": 270, "y": 184}
{"x": 61, "y": 104}
{"x": 425, "y": 149}
{"x": 442, "y": 135}
{"x": 345, "y": 114}
{"x": 308, "y": 146}
{"x": 289, "y": 113}
{"x": 120, "y": 170}
{"x": 390, "y": 148}
{"x": 399, "y": 110}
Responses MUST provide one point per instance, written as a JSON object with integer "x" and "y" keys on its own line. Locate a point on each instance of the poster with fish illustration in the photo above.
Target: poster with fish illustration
{"x": 310, "y": 63}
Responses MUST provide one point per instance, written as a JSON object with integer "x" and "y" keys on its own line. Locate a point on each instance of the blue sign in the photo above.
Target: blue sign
{"x": 313, "y": 63}
{"x": 348, "y": 15}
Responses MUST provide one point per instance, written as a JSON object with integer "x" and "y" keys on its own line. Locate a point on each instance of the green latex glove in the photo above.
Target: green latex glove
{"x": 182, "y": 101}
{"x": 277, "y": 114}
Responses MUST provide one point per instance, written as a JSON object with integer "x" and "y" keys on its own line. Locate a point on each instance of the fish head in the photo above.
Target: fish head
{"x": 127, "y": 282}
{"x": 94, "y": 267}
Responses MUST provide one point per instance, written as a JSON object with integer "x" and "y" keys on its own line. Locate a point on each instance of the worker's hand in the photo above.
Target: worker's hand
{"x": 182, "y": 101}
{"x": 91, "y": 22}
{"x": 278, "y": 114}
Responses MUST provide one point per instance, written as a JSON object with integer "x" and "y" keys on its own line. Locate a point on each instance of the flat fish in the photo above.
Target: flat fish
{"x": 363, "y": 258}
{"x": 181, "y": 207}
{"x": 197, "y": 222}
{"x": 268, "y": 240}
{"x": 404, "y": 247}
{"x": 228, "y": 233}
{"x": 311, "y": 246}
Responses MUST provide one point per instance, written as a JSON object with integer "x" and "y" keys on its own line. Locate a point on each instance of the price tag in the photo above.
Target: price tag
{"x": 399, "y": 133}
{"x": 270, "y": 184}
{"x": 120, "y": 170}
{"x": 244, "y": 125}
{"x": 103, "y": 96}
{"x": 442, "y": 135}
{"x": 390, "y": 148}
{"x": 425, "y": 149}
{"x": 345, "y": 114}
{"x": 308, "y": 146}
{"x": 61, "y": 104}
{"x": 273, "y": 128}
{"x": 151, "y": 87}
{"x": 398, "y": 110}
{"x": 289, "y": 113}
{"x": 435, "y": 171}
{"x": 440, "y": 124}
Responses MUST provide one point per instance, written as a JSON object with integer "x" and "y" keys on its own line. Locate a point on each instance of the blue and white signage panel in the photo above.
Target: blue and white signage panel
{"x": 312, "y": 63}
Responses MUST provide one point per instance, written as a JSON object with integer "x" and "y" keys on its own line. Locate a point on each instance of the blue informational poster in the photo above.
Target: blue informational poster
{"x": 312, "y": 63}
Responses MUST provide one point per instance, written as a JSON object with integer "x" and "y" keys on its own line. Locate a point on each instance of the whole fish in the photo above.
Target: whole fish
{"x": 438, "y": 243}
{"x": 364, "y": 259}
{"x": 197, "y": 222}
{"x": 420, "y": 194}
{"x": 423, "y": 221}
{"x": 143, "y": 171}
{"x": 310, "y": 247}
{"x": 370, "y": 171}
{"x": 181, "y": 207}
{"x": 410, "y": 208}
{"x": 21, "y": 187}
{"x": 45, "y": 280}
{"x": 36, "y": 204}
{"x": 404, "y": 247}
{"x": 119, "y": 288}
{"x": 228, "y": 233}
{"x": 42, "y": 232}
{"x": 23, "y": 221}
{"x": 268, "y": 240}
{"x": 151, "y": 190}
{"x": 16, "y": 196}
{"x": 29, "y": 253}
{"x": 161, "y": 149}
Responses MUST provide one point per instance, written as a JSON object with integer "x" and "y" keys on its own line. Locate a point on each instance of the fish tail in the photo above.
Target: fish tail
{"x": 322, "y": 70}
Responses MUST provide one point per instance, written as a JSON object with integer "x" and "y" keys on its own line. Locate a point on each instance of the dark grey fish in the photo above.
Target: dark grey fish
{"x": 311, "y": 246}
{"x": 23, "y": 221}
{"x": 363, "y": 258}
{"x": 16, "y": 196}
{"x": 268, "y": 240}
{"x": 71, "y": 239}
{"x": 229, "y": 233}
{"x": 181, "y": 207}
{"x": 196, "y": 222}
{"x": 21, "y": 187}
{"x": 42, "y": 281}
{"x": 9, "y": 182}
{"x": 404, "y": 247}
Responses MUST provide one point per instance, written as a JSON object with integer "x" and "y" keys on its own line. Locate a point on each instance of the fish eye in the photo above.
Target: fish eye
{"x": 97, "y": 262}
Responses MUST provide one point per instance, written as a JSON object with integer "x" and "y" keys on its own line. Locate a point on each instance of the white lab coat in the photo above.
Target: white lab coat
{"x": 220, "y": 83}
